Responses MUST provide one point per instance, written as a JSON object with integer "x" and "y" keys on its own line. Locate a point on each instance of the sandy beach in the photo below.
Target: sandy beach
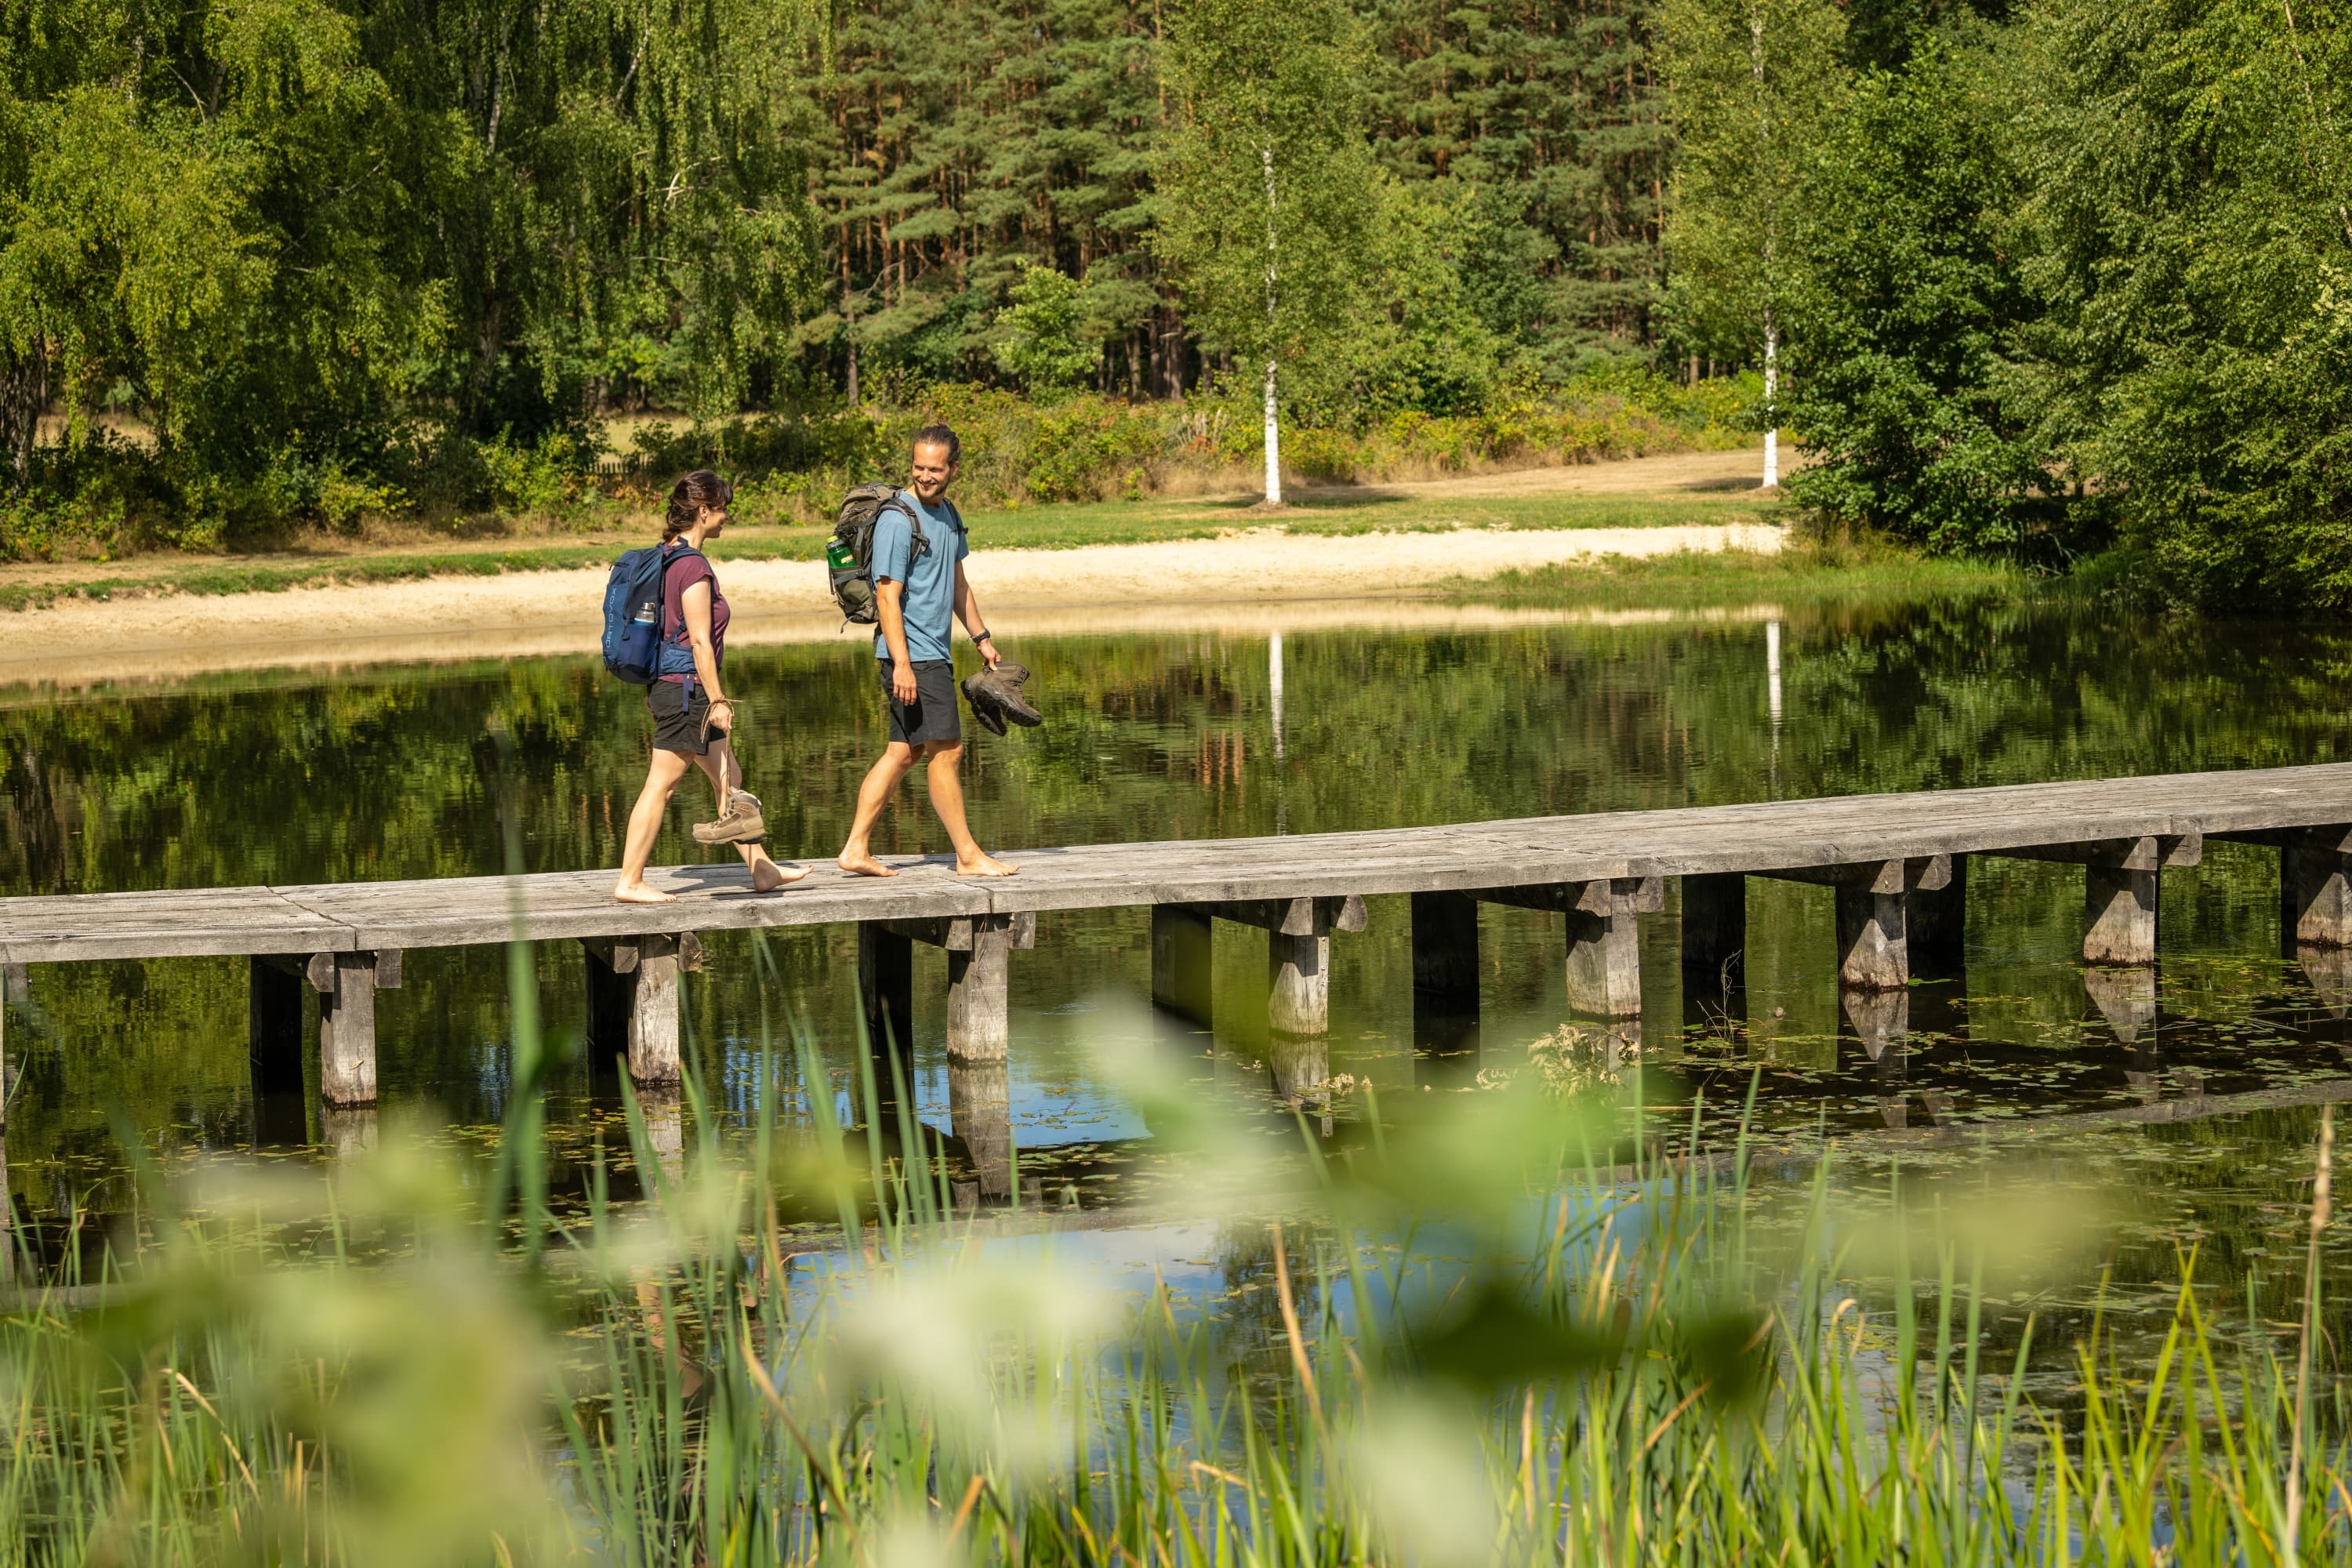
{"x": 1235, "y": 582}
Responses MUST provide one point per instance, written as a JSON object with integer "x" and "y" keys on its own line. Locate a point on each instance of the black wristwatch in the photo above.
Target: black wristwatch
{"x": 979, "y": 637}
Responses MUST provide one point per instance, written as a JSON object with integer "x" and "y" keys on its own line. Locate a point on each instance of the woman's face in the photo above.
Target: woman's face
{"x": 714, "y": 519}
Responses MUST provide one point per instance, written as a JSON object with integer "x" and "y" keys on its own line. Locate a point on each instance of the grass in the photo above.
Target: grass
{"x": 1054, "y": 527}
{"x": 1802, "y": 572}
{"x": 1472, "y": 1341}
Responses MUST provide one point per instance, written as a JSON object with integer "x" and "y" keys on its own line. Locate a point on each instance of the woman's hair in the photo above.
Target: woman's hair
{"x": 693, "y": 492}
{"x": 938, "y": 436}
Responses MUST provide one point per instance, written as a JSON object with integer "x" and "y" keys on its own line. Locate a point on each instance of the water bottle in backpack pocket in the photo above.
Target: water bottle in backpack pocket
{"x": 634, "y": 616}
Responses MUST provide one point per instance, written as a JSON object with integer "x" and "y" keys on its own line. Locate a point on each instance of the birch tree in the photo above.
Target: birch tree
{"x": 1267, "y": 184}
{"x": 1751, "y": 85}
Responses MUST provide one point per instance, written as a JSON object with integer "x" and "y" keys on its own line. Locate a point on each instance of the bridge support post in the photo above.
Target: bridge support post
{"x": 273, "y": 1049}
{"x": 1938, "y": 920}
{"x": 1874, "y": 916}
{"x": 1873, "y": 937}
{"x": 979, "y": 949}
{"x": 886, "y": 987}
{"x": 1715, "y": 931}
{"x": 1604, "y": 952}
{"x": 1298, "y": 954}
{"x": 1298, "y": 984}
{"x": 2119, "y": 910}
{"x": 633, "y": 1001}
{"x": 2120, "y": 888}
{"x": 1444, "y": 973}
{"x": 2315, "y": 898}
{"x": 980, "y": 975}
{"x": 1181, "y": 987}
{"x": 347, "y": 984}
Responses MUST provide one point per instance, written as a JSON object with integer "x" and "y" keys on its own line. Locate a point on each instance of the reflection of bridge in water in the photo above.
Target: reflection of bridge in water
{"x": 1895, "y": 866}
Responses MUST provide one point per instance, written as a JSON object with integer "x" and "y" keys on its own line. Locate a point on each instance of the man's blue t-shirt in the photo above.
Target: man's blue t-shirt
{"x": 929, "y": 602}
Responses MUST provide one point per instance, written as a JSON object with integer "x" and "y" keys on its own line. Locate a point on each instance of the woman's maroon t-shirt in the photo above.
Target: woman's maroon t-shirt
{"x": 676, "y": 578}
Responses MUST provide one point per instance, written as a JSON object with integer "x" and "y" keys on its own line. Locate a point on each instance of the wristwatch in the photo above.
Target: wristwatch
{"x": 979, "y": 637}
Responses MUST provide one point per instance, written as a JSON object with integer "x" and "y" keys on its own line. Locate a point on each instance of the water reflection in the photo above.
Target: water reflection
{"x": 293, "y": 778}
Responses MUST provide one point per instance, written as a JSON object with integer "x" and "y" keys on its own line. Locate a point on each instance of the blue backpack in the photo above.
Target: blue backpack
{"x": 634, "y": 647}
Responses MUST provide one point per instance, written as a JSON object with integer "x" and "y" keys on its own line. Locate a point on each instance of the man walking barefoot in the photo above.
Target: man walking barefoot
{"x": 914, "y": 593}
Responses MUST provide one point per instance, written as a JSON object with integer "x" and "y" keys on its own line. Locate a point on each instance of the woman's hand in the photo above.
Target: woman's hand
{"x": 720, "y": 716}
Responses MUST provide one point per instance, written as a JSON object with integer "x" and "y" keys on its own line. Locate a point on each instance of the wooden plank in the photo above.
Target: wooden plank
{"x": 956, "y": 934}
{"x": 1293, "y": 917}
{"x": 980, "y": 1023}
{"x": 347, "y": 1032}
{"x": 1625, "y": 895}
{"x": 1806, "y": 839}
{"x": 1928, "y": 873}
{"x": 2147, "y": 852}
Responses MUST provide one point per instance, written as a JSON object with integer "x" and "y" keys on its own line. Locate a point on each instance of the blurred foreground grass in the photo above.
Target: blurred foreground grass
{"x": 1473, "y": 1339}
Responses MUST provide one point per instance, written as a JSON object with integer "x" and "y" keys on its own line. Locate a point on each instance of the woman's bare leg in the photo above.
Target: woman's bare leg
{"x": 644, "y": 825}
{"x": 726, "y": 775}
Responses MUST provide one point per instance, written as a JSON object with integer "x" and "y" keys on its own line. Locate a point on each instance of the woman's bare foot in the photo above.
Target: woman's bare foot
{"x": 985, "y": 865}
{"x": 639, "y": 892}
{"x": 862, "y": 863}
{"x": 768, "y": 876}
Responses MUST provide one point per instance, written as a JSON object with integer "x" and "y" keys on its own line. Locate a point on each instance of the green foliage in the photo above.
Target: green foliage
{"x": 1268, "y": 192}
{"x": 2191, "y": 182}
{"x": 1042, "y": 341}
{"x": 1911, "y": 306}
{"x": 1753, "y": 84}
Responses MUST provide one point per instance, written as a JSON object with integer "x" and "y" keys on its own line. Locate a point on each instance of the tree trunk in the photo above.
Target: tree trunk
{"x": 1771, "y": 405}
{"x": 23, "y": 392}
{"x": 1273, "y": 443}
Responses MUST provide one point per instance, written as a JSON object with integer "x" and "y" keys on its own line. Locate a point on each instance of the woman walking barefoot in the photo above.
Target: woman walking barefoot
{"x": 692, "y": 717}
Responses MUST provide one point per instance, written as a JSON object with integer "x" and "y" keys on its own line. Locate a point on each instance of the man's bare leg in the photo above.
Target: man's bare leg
{"x": 946, "y": 799}
{"x": 727, "y": 776}
{"x": 644, "y": 825}
{"x": 881, "y": 779}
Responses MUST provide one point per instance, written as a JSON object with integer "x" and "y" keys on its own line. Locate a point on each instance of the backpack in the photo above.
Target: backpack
{"x": 634, "y": 648}
{"x": 850, "y": 558}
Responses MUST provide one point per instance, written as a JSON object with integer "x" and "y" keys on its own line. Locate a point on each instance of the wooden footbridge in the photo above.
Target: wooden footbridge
{"x": 1898, "y": 863}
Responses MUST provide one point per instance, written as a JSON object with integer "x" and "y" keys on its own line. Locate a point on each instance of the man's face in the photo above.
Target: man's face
{"x": 934, "y": 469}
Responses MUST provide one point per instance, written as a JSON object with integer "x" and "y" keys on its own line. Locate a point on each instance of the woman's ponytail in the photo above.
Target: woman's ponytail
{"x": 688, "y": 497}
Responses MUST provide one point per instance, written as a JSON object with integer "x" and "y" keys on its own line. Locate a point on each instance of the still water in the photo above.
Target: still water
{"x": 401, "y": 772}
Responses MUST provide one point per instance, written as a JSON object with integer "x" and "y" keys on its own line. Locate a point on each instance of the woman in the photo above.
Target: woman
{"x": 692, "y": 717}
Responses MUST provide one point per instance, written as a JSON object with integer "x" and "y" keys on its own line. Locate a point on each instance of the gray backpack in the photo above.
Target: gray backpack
{"x": 850, "y": 558}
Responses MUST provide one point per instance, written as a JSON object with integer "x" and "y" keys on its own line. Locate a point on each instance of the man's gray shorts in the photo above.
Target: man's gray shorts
{"x": 932, "y": 715}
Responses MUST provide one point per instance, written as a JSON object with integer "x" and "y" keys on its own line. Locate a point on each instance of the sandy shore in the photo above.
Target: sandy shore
{"x": 1245, "y": 581}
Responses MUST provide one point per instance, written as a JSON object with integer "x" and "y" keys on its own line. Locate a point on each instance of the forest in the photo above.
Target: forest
{"x": 2061, "y": 282}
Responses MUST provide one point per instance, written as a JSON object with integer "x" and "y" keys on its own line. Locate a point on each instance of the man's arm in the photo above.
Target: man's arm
{"x": 967, "y": 605}
{"x": 888, "y": 594}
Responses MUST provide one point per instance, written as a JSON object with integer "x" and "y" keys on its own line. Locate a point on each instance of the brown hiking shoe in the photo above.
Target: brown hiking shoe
{"x": 740, "y": 823}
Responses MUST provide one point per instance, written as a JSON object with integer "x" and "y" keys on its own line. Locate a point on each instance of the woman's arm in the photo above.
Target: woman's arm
{"x": 695, "y": 604}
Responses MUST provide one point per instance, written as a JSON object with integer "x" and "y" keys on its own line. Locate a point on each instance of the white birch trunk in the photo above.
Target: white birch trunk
{"x": 1273, "y": 423}
{"x": 1771, "y": 405}
{"x": 1273, "y": 443}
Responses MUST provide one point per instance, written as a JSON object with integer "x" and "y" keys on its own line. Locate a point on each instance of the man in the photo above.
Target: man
{"x": 913, "y": 597}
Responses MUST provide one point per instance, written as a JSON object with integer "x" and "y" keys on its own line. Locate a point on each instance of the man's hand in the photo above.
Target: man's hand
{"x": 988, "y": 651}
{"x": 903, "y": 689}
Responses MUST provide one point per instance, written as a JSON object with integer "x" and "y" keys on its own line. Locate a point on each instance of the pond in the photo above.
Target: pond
{"x": 397, "y": 772}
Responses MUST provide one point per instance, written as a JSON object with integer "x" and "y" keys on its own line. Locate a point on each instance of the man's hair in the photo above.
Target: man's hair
{"x": 938, "y": 436}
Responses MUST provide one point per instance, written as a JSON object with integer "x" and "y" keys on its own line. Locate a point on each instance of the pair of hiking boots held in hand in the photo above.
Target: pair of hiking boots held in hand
{"x": 994, "y": 696}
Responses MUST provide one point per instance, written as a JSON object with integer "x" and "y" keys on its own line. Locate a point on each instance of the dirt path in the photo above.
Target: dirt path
{"x": 1241, "y": 579}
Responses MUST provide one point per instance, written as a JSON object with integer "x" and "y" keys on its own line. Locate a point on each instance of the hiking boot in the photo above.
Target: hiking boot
{"x": 995, "y": 696}
{"x": 740, "y": 823}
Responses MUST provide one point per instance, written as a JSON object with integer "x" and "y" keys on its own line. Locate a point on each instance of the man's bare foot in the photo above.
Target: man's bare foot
{"x": 985, "y": 865}
{"x": 862, "y": 863}
{"x": 637, "y": 892}
{"x": 768, "y": 876}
